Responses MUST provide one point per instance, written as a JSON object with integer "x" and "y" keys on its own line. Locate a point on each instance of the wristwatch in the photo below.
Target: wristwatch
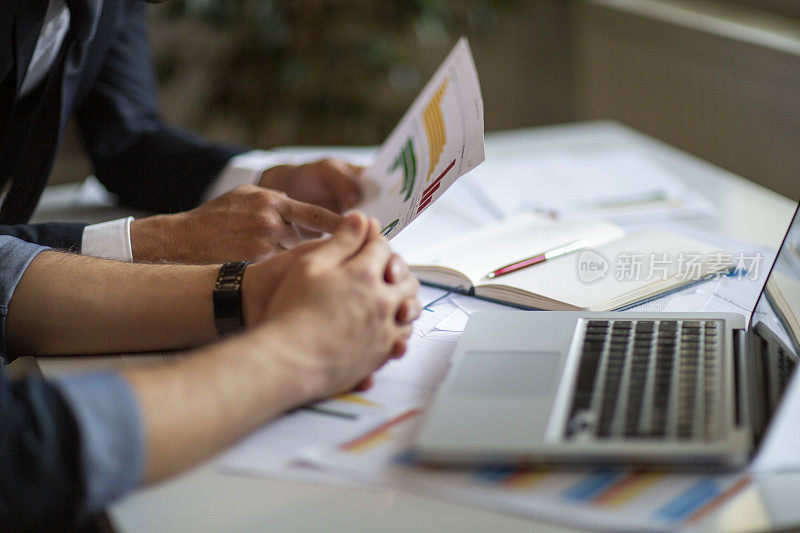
{"x": 228, "y": 298}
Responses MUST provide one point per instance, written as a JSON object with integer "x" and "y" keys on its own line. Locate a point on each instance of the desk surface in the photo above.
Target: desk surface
{"x": 205, "y": 500}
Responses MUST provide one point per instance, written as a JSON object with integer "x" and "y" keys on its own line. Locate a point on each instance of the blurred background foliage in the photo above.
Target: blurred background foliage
{"x": 267, "y": 73}
{"x": 280, "y": 72}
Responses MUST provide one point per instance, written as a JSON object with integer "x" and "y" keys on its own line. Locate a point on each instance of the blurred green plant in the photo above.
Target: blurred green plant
{"x": 311, "y": 71}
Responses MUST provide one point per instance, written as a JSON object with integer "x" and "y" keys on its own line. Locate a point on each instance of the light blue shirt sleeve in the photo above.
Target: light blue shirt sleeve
{"x": 15, "y": 256}
{"x": 111, "y": 432}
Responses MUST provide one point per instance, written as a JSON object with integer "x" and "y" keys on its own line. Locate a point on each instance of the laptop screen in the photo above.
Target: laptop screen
{"x": 778, "y": 306}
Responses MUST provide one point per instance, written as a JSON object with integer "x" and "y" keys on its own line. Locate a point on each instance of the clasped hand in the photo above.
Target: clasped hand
{"x": 359, "y": 298}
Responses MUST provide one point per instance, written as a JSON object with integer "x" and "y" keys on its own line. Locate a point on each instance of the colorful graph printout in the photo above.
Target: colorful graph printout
{"x": 433, "y": 120}
{"x": 407, "y": 161}
{"x": 439, "y": 139}
{"x": 606, "y": 498}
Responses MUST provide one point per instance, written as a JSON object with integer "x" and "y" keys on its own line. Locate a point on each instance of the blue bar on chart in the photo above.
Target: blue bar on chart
{"x": 689, "y": 501}
{"x": 592, "y": 485}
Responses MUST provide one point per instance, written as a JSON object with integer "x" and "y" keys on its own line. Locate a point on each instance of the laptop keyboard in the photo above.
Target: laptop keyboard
{"x": 651, "y": 379}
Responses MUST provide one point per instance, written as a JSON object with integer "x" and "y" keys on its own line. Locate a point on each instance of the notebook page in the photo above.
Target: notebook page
{"x": 616, "y": 273}
{"x": 477, "y": 253}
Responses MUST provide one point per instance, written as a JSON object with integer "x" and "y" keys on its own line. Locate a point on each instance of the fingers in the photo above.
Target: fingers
{"x": 401, "y": 344}
{"x": 374, "y": 227}
{"x": 396, "y": 269}
{"x": 399, "y": 348}
{"x": 408, "y": 311}
{"x": 284, "y": 234}
{"x": 304, "y": 248}
{"x": 365, "y": 384}
{"x": 374, "y": 257}
{"x": 345, "y": 242}
{"x": 341, "y": 180}
{"x": 396, "y": 275}
{"x": 309, "y": 216}
{"x": 397, "y": 272}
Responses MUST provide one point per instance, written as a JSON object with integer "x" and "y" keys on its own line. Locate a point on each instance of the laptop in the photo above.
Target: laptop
{"x": 634, "y": 388}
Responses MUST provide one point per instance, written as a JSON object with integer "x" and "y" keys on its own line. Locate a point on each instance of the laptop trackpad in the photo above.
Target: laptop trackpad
{"x": 506, "y": 373}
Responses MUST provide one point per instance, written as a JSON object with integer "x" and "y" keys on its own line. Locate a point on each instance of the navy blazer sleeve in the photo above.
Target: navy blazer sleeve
{"x": 149, "y": 165}
{"x": 58, "y": 235}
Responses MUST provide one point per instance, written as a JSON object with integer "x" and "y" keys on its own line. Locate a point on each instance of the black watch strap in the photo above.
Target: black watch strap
{"x": 228, "y": 298}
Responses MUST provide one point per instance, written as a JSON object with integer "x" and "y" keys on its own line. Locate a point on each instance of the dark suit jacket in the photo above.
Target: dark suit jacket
{"x": 104, "y": 77}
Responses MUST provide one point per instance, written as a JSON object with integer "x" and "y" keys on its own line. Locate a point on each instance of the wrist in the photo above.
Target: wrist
{"x": 149, "y": 238}
{"x": 286, "y": 360}
{"x": 189, "y": 296}
{"x": 257, "y": 284}
{"x": 304, "y": 357}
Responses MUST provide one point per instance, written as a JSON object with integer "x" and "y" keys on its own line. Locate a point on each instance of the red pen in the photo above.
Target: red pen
{"x": 538, "y": 258}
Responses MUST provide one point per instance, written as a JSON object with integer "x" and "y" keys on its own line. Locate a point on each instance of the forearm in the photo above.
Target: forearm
{"x": 198, "y": 406}
{"x": 68, "y": 304}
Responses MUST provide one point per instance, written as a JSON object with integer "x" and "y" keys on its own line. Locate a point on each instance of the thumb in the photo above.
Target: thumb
{"x": 346, "y": 241}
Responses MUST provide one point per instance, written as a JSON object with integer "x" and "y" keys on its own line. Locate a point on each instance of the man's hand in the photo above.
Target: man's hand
{"x": 342, "y": 308}
{"x": 247, "y": 223}
{"x": 262, "y": 279}
{"x": 330, "y": 183}
{"x": 348, "y": 305}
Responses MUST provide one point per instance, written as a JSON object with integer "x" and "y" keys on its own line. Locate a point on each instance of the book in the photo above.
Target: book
{"x": 611, "y": 270}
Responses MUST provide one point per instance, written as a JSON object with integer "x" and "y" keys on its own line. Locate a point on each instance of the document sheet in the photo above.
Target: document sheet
{"x": 368, "y": 449}
{"x": 599, "y": 498}
{"x": 439, "y": 139}
{"x": 624, "y": 185}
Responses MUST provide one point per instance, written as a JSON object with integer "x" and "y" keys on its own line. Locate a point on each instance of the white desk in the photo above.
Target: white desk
{"x": 204, "y": 500}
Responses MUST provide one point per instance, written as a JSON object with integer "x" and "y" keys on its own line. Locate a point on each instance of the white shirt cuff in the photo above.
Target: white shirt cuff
{"x": 111, "y": 240}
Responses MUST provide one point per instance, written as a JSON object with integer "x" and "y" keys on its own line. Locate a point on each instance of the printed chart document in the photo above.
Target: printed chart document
{"x": 601, "y": 498}
{"x": 439, "y": 139}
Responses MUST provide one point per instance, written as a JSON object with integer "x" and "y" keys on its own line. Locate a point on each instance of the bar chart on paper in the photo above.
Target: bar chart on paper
{"x": 615, "y": 498}
{"x": 439, "y": 139}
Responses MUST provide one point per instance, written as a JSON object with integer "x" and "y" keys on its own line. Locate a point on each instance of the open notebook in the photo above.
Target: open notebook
{"x": 611, "y": 271}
